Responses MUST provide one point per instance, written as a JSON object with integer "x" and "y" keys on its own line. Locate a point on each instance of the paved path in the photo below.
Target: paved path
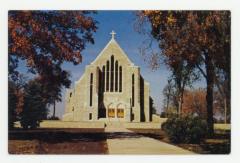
{"x": 127, "y": 142}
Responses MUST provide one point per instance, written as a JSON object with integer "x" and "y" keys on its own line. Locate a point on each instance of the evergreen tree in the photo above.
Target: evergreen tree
{"x": 35, "y": 107}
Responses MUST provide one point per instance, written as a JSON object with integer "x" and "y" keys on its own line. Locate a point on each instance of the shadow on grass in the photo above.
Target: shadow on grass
{"x": 57, "y": 141}
{"x": 62, "y": 141}
{"x": 58, "y": 135}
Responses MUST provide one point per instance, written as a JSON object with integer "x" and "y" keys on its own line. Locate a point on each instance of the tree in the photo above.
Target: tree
{"x": 20, "y": 82}
{"x": 46, "y": 39}
{"x": 223, "y": 92}
{"x": 183, "y": 75}
{"x": 195, "y": 102}
{"x": 201, "y": 38}
{"x": 55, "y": 96}
{"x": 168, "y": 93}
{"x": 183, "y": 72}
{"x": 220, "y": 106}
{"x": 52, "y": 90}
{"x": 35, "y": 107}
{"x": 12, "y": 104}
{"x": 170, "y": 98}
{"x": 15, "y": 97}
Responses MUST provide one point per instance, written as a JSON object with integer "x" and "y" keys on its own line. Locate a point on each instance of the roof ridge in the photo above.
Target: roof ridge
{"x": 112, "y": 41}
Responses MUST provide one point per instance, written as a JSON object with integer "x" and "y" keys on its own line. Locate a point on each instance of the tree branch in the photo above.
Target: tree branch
{"x": 201, "y": 70}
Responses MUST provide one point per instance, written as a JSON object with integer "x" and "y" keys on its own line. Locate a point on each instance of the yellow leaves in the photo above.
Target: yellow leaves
{"x": 154, "y": 16}
{"x": 171, "y": 20}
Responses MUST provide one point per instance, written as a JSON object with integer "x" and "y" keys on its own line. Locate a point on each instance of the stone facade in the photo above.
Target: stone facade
{"x": 111, "y": 89}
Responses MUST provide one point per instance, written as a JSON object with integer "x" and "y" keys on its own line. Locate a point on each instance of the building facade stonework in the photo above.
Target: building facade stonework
{"x": 111, "y": 89}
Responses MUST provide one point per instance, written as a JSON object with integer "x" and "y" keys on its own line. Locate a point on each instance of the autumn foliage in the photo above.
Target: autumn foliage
{"x": 198, "y": 40}
{"x": 46, "y": 37}
{"x": 194, "y": 102}
{"x": 44, "y": 40}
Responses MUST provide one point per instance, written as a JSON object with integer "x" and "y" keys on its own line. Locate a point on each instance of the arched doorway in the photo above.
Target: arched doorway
{"x": 120, "y": 111}
{"x": 111, "y": 111}
{"x": 116, "y": 111}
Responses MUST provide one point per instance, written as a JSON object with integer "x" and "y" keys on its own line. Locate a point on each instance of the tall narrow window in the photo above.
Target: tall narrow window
{"x": 133, "y": 90}
{"x": 116, "y": 76}
{"x": 91, "y": 88}
{"x": 112, "y": 73}
{"x": 99, "y": 81}
{"x": 103, "y": 79}
{"x": 120, "y": 79}
{"x": 107, "y": 82}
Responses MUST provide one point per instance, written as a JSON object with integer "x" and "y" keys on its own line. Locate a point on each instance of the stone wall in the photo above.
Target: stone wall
{"x": 62, "y": 124}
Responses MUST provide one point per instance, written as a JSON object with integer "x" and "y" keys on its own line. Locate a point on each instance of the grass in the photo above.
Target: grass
{"x": 218, "y": 144}
{"x": 93, "y": 141}
{"x": 57, "y": 141}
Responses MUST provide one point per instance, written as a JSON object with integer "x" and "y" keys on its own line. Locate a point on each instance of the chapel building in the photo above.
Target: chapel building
{"x": 111, "y": 89}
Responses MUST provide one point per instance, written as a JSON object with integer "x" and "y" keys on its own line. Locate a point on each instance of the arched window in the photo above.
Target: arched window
{"x": 103, "y": 79}
{"x": 133, "y": 90}
{"x": 112, "y": 73}
{"x": 99, "y": 80}
{"x": 116, "y": 76}
{"x": 91, "y": 88}
{"x": 120, "y": 79}
{"x": 107, "y": 82}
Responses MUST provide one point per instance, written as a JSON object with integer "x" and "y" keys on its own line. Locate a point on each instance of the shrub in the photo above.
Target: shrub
{"x": 53, "y": 118}
{"x": 186, "y": 129}
{"x": 163, "y": 115}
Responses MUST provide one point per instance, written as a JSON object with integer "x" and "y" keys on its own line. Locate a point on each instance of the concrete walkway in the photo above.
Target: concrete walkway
{"x": 138, "y": 144}
{"x": 112, "y": 127}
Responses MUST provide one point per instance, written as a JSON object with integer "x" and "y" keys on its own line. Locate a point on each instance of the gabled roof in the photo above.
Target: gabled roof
{"x": 113, "y": 43}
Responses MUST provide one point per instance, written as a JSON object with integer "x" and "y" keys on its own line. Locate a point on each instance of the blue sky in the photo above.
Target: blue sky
{"x": 122, "y": 22}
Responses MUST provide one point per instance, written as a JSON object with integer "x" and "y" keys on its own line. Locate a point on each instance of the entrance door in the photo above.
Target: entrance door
{"x": 111, "y": 113}
{"x": 120, "y": 113}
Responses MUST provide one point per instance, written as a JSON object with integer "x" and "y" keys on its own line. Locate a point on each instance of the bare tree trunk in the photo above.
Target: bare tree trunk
{"x": 180, "y": 101}
{"x": 179, "y": 106}
{"x": 54, "y": 108}
{"x": 225, "y": 110}
{"x": 167, "y": 104}
{"x": 209, "y": 96}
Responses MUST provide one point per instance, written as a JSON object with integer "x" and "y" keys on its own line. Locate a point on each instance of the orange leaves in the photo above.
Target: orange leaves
{"x": 194, "y": 101}
{"x": 189, "y": 33}
{"x": 19, "y": 41}
{"x": 44, "y": 32}
{"x": 36, "y": 27}
{"x": 30, "y": 61}
{"x": 46, "y": 39}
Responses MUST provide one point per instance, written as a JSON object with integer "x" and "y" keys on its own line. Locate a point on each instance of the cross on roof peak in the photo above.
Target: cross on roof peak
{"x": 113, "y": 34}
